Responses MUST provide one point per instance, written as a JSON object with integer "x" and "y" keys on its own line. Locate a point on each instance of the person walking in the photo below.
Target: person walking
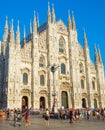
{"x": 47, "y": 115}
{"x": 27, "y": 117}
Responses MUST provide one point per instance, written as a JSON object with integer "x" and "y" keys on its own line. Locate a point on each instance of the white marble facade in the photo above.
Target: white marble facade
{"x": 25, "y": 79}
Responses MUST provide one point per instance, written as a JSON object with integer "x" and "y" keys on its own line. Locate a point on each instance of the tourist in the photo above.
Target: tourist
{"x": 27, "y": 117}
{"x": 47, "y": 115}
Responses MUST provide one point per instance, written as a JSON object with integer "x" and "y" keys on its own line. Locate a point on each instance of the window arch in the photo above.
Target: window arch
{"x": 93, "y": 85}
{"x": 82, "y": 83}
{"x": 95, "y": 103}
{"x": 81, "y": 68}
{"x": 42, "y": 80}
{"x": 61, "y": 45}
{"x": 63, "y": 68}
{"x": 25, "y": 78}
{"x": 41, "y": 61}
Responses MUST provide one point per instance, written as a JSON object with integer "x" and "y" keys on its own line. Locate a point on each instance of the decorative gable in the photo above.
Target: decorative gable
{"x": 61, "y": 27}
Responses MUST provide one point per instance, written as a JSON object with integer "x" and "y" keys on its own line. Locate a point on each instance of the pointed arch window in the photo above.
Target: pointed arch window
{"x": 63, "y": 68}
{"x": 82, "y": 83}
{"x": 95, "y": 103}
{"x": 25, "y": 78}
{"x": 61, "y": 45}
{"x": 41, "y": 62}
{"x": 81, "y": 68}
{"x": 93, "y": 85}
{"x": 42, "y": 80}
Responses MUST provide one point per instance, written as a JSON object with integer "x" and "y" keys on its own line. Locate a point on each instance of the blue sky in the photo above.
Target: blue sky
{"x": 89, "y": 14}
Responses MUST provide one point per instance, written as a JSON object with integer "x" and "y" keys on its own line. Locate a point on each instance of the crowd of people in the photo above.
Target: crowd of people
{"x": 16, "y": 115}
{"x": 75, "y": 114}
{"x": 19, "y": 116}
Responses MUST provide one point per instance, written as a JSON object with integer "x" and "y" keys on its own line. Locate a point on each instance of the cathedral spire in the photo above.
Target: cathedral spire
{"x": 6, "y": 30}
{"x": 37, "y": 20}
{"x": 12, "y": 28}
{"x": 35, "y": 23}
{"x": 18, "y": 34}
{"x": 6, "y": 23}
{"x": 49, "y": 14}
{"x": 95, "y": 49}
{"x": 18, "y": 28}
{"x": 53, "y": 14}
{"x": 73, "y": 22}
{"x": 12, "y": 32}
{"x": 24, "y": 35}
{"x": 69, "y": 20}
{"x": 30, "y": 27}
{"x": 85, "y": 40}
{"x": 99, "y": 55}
{"x": 95, "y": 53}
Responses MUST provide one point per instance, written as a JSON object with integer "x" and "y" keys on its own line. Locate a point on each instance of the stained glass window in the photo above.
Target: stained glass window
{"x": 25, "y": 79}
{"x": 82, "y": 83}
{"x": 62, "y": 45}
{"x": 42, "y": 80}
{"x": 63, "y": 68}
{"x": 41, "y": 61}
{"x": 93, "y": 85}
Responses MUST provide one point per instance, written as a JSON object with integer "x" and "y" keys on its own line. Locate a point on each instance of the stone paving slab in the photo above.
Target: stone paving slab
{"x": 37, "y": 123}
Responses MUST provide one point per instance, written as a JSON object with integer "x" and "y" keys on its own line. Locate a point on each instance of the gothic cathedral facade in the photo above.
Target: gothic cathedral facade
{"x": 24, "y": 75}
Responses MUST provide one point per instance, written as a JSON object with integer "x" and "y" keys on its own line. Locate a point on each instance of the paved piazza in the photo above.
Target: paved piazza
{"x": 37, "y": 123}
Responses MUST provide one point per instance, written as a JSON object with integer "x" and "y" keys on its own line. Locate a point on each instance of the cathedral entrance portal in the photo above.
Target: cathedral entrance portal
{"x": 24, "y": 101}
{"x": 95, "y": 103}
{"x": 64, "y": 98}
{"x": 42, "y": 102}
{"x": 83, "y": 103}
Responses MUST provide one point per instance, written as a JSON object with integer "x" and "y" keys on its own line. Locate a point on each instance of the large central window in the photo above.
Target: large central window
{"x": 41, "y": 61}
{"x": 61, "y": 45}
